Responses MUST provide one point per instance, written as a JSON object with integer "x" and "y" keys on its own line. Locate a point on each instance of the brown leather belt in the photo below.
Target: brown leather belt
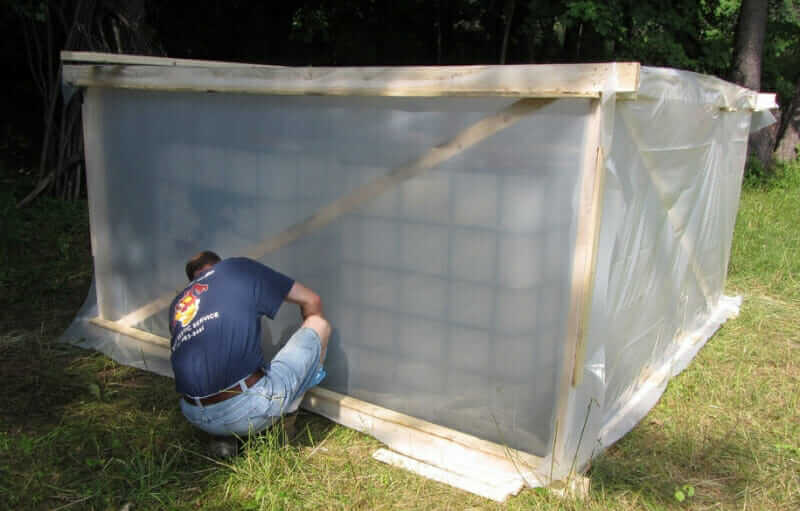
{"x": 227, "y": 393}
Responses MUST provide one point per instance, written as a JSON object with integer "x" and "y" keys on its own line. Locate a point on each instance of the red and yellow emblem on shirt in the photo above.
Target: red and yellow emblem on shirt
{"x": 187, "y": 307}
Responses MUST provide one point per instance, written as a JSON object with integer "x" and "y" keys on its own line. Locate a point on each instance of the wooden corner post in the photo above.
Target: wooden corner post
{"x": 589, "y": 212}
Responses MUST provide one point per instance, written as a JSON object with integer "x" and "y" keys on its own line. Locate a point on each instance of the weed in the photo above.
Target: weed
{"x": 684, "y": 492}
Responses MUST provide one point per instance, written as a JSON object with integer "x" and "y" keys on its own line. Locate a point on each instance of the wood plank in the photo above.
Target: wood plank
{"x": 406, "y": 421}
{"x": 455, "y": 451}
{"x": 134, "y": 333}
{"x": 581, "y": 282}
{"x": 462, "y": 141}
{"x": 626, "y": 75}
{"x": 766, "y": 102}
{"x": 542, "y": 81}
{"x": 149, "y": 309}
{"x": 498, "y": 491}
{"x": 588, "y": 292}
{"x": 90, "y": 57}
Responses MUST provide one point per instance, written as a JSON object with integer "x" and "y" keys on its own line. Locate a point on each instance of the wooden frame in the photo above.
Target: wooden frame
{"x": 531, "y": 81}
{"x": 584, "y": 262}
{"x": 89, "y": 57}
{"x": 456, "y": 458}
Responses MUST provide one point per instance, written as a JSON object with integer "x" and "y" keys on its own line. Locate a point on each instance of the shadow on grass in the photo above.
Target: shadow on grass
{"x": 653, "y": 463}
{"x": 79, "y": 429}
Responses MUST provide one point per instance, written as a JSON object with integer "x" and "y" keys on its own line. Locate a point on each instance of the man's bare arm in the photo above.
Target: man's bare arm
{"x": 310, "y": 303}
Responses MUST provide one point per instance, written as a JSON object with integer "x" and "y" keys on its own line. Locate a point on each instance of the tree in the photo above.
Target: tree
{"x": 749, "y": 44}
{"x": 508, "y": 14}
{"x": 748, "y": 52}
{"x": 49, "y": 26}
{"x": 789, "y": 131}
{"x": 782, "y": 74}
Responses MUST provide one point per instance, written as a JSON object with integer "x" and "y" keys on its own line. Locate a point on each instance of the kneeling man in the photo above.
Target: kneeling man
{"x": 215, "y": 324}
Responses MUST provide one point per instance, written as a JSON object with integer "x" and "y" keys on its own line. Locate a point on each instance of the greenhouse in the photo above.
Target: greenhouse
{"x": 515, "y": 259}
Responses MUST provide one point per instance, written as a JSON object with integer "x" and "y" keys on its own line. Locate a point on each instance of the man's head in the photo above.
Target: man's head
{"x": 203, "y": 260}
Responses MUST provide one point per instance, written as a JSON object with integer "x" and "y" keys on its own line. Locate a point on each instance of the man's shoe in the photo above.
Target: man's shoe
{"x": 289, "y": 428}
{"x": 223, "y": 447}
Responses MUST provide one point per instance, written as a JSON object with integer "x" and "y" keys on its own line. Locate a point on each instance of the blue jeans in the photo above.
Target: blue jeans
{"x": 294, "y": 370}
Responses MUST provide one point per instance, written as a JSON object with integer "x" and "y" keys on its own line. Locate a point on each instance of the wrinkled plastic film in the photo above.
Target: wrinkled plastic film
{"x": 673, "y": 197}
{"x": 672, "y": 192}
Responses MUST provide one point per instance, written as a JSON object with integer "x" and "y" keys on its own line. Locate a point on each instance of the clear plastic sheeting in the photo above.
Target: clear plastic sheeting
{"x": 674, "y": 174}
{"x": 451, "y": 291}
{"x": 448, "y": 293}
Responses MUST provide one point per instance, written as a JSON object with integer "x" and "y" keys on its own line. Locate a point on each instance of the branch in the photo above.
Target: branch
{"x": 59, "y": 9}
{"x": 49, "y": 48}
{"x": 509, "y": 15}
{"x": 73, "y": 27}
{"x": 45, "y": 181}
{"x": 27, "y": 34}
{"x": 38, "y": 58}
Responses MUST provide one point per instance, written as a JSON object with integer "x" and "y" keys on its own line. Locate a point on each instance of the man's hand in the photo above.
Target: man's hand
{"x": 310, "y": 303}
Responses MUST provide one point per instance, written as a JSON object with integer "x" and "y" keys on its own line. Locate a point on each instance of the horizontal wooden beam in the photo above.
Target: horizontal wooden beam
{"x": 90, "y": 57}
{"x": 344, "y": 403}
{"x": 766, "y": 101}
{"x": 445, "y": 448}
{"x": 541, "y": 81}
{"x": 135, "y": 333}
{"x": 498, "y": 490}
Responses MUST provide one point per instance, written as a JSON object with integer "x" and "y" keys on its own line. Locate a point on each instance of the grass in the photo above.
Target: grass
{"x": 78, "y": 431}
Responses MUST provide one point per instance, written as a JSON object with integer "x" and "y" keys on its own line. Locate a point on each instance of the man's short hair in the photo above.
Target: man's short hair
{"x": 204, "y": 258}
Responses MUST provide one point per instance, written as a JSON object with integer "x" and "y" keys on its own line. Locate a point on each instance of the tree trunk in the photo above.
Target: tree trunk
{"x": 439, "y": 33}
{"x": 789, "y": 132}
{"x": 747, "y": 55}
{"x": 572, "y": 42}
{"x": 749, "y": 44}
{"x": 75, "y": 25}
{"x": 508, "y": 14}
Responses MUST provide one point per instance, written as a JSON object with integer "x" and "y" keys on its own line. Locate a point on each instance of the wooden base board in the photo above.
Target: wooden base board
{"x": 498, "y": 490}
{"x": 464, "y": 461}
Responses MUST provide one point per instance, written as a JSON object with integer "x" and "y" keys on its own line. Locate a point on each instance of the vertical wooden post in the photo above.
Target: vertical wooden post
{"x": 97, "y": 190}
{"x": 588, "y": 215}
{"x": 582, "y": 295}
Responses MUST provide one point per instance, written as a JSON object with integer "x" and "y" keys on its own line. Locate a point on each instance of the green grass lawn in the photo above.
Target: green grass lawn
{"x": 78, "y": 431}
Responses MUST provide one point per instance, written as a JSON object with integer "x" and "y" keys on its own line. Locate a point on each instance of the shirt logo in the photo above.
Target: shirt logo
{"x": 187, "y": 307}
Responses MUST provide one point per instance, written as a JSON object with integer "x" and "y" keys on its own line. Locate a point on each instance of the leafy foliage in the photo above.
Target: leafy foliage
{"x": 689, "y": 34}
{"x": 782, "y": 49}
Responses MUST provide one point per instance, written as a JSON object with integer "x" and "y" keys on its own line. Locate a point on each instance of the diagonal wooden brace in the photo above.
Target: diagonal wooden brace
{"x": 465, "y": 139}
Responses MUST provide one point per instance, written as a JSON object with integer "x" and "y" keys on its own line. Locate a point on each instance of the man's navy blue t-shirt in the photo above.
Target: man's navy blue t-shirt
{"x": 216, "y": 326}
